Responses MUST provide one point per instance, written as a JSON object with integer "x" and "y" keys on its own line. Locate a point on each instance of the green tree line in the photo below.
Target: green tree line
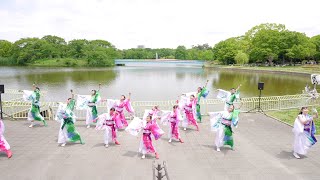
{"x": 28, "y": 50}
{"x": 271, "y": 43}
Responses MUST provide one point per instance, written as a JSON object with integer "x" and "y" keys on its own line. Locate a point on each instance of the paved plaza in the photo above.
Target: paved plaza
{"x": 263, "y": 150}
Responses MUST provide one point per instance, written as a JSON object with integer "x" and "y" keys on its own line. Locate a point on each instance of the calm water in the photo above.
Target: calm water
{"x": 146, "y": 83}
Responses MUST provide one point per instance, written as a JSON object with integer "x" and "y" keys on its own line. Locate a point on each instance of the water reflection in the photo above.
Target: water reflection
{"x": 146, "y": 83}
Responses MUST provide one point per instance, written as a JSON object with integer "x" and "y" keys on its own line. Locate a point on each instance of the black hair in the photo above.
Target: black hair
{"x": 150, "y": 117}
{"x": 112, "y": 109}
{"x": 175, "y": 106}
{"x": 200, "y": 88}
{"x": 38, "y": 88}
{"x": 302, "y": 109}
{"x": 192, "y": 95}
{"x": 232, "y": 106}
{"x": 232, "y": 88}
{"x": 69, "y": 99}
{"x": 95, "y": 91}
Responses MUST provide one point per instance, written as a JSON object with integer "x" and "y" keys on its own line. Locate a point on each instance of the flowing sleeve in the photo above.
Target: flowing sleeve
{"x": 111, "y": 103}
{"x": 190, "y": 93}
{"x": 235, "y": 117}
{"x": 223, "y": 94}
{"x": 183, "y": 101}
{"x": 179, "y": 116}
{"x": 60, "y": 114}
{"x": 71, "y": 104}
{"x": 165, "y": 117}
{"x": 204, "y": 92}
{"x": 82, "y": 101}
{"x": 97, "y": 97}
{"x": 128, "y": 106}
{"x": 2, "y": 128}
{"x": 100, "y": 120}
{"x": 156, "y": 131}
{"x": 28, "y": 95}
{"x": 215, "y": 120}
{"x": 135, "y": 126}
{"x": 237, "y": 94}
{"x": 298, "y": 127}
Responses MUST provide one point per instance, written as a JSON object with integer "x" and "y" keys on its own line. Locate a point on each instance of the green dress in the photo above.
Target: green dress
{"x": 34, "y": 113}
{"x": 203, "y": 93}
{"x": 68, "y": 131}
{"x": 229, "y": 119}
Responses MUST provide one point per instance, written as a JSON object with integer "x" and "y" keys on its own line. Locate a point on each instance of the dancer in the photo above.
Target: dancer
{"x": 4, "y": 146}
{"x": 119, "y": 106}
{"x": 221, "y": 122}
{"x": 312, "y": 93}
{"x": 304, "y": 131}
{"x": 201, "y": 92}
{"x": 106, "y": 121}
{"x": 65, "y": 116}
{"x": 154, "y": 113}
{"x": 34, "y": 112}
{"x": 92, "y": 112}
{"x": 173, "y": 117}
{"x": 188, "y": 107}
{"x": 148, "y": 127}
{"x": 229, "y": 96}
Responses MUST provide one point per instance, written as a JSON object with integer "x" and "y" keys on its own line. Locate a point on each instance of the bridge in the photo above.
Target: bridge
{"x": 15, "y": 108}
{"x": 159, "y": 62}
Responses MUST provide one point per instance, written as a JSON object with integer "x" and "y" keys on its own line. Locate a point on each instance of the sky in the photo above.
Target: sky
{"x": 152, "y": 23}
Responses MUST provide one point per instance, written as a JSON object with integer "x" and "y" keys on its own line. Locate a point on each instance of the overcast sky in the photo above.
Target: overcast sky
{"x": 152, "y": 23}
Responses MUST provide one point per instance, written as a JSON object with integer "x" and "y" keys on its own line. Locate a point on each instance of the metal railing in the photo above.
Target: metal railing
{"x": 18, "y": 109}
{"x": 160, "y": 171}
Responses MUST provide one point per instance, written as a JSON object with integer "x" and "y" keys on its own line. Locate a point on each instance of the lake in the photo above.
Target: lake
{"x": 147, "y": 83}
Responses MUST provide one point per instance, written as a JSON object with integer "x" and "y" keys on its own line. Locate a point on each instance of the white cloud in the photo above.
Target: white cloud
{"x": 153, "y": 23}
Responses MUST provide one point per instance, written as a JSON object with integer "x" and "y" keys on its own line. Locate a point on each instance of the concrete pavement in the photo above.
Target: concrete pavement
{"x": 263, "y": 150}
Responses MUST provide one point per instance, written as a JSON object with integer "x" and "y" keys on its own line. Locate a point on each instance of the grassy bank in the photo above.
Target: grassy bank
{"x": 289, "y": 116}
{"x": 60, "y": 62}
{"x": 70, "y": 62}
{"x": 306, "y": 69}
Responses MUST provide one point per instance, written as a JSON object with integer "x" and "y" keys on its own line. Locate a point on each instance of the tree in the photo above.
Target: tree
{"x": 225, "y": 51}
{"x": 5, "y": 48}
{"x": 77, "y": 48}
{"x": 241, "y": 58}
{"x": 181, "y": 53}
{"x": 27, "y": 50}
{"x": 58, "y": 46}
{"x": 316, "y": 41}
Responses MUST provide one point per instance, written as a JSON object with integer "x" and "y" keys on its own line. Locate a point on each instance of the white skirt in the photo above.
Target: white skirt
{"x": 107, "y": 135}
{"x": 63, "y": 135}
{"x": 219, "y": 137}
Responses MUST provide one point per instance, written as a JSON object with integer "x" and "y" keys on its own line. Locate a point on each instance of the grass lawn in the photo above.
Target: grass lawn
{"x": 289, "y": 116}
{"x": 60, "y": 62}
{"x": 310, "y": 69}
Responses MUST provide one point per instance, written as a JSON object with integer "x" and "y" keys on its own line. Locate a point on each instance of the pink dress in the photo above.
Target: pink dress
{"x": 174, "y": 125}
{"x": 4, "y": 146}
{"x": 120, "y": 106}
{"x": 190, "y": 112}
{"x": 146, "y": 145}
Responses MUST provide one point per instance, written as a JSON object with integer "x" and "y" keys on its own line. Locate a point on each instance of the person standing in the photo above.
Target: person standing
{"x": 65, "y": 115}
{"x": 221, "y": 123}
{"x": 106, "y": 121}
{"x": 34, "y": 112}
{"x": 4, "y": 145}
{"x": 304, "y": 131}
